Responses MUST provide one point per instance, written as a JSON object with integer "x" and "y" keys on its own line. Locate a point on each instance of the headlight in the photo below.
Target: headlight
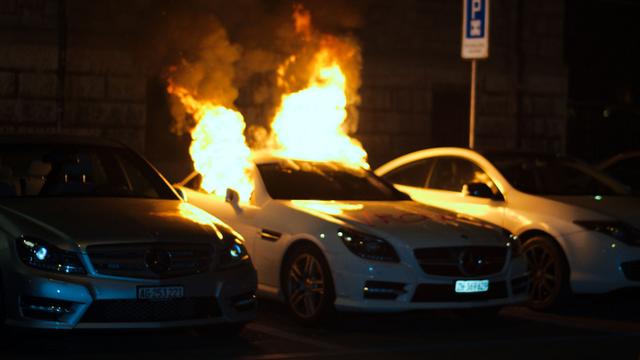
{"x": 368, "y": 246}
{"x": 233, "y": 251}
{"x": 41, "y": 255}
{"x": 616, "y": 229}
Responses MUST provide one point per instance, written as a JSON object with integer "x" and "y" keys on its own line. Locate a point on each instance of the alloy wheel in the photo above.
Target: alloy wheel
{"x": 306, "y": 285}
{"x": 546, "y": 275}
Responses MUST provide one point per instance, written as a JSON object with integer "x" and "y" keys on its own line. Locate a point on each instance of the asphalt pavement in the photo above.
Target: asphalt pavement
{"x": 587, "y": 328}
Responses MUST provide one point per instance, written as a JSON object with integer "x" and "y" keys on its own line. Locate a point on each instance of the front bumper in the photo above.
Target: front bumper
{"x": 413, "y": 289}
{"x": 601, "y": 264}
{"x": 37, "y": 299}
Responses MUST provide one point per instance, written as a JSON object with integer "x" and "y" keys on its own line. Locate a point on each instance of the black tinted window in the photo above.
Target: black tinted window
{"x": 452, "y": 173}
{"x": 70, "y": 170}
{"x": 550, "y": 175}
{"x": 411, "y": 174}
{"x": 302, "y": 180}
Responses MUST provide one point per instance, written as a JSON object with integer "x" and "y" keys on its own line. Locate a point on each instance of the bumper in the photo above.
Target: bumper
{"x": 50, "y": 301}
{"x": 598, "y": 263}
{"x": 384, "y": 287}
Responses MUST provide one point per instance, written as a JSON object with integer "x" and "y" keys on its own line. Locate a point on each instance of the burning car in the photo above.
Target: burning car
{"x": 325, "y": 235}
{"x": 93, "y": 237}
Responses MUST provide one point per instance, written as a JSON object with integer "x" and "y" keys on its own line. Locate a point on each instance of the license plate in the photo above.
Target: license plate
{"x": 160, "y": 292}
{"x": 472, "y": 286}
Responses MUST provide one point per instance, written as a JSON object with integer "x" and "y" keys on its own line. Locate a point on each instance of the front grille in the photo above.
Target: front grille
{"x": 135, "y": 311}
{"x": 447, "y": 293}
{"x": 151, "y": 260}
{"x": 467, "y": 261}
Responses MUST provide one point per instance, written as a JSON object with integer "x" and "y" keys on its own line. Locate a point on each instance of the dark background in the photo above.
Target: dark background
{"x": 562, "y": 75}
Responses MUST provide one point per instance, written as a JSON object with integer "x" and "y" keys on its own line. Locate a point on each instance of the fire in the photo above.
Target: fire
{"x": 218, "y": 148}
{"x": 309, "y": 123}
{"x": 319, "y": 85}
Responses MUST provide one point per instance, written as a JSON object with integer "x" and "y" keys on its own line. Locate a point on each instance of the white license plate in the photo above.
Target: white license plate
{"x": 472, "y": 286}
{"x": 160, "y": 292}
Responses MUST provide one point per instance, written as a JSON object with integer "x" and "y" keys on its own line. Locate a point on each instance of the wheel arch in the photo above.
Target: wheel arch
{"x": 294, "y": 245}
{"x": 531, "y": 233}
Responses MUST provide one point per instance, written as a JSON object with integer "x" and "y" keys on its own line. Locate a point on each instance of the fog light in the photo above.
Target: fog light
{"x": 383, "y": 290}
{"x": 44, "y": 309}
{"x": 244, "y": 302}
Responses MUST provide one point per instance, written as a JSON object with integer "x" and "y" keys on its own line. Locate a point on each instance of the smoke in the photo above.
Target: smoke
{"x": 229, "y": 53}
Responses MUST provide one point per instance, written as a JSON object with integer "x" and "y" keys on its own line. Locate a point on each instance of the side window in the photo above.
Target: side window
{"x": 411, "y": 174}
{"x": 139, "y": 184}
{"x": 451, "y": 174}
{"x": 194, "y": 183}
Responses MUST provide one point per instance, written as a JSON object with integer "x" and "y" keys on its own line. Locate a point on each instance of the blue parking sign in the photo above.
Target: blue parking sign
{"x": 475, "y": 29}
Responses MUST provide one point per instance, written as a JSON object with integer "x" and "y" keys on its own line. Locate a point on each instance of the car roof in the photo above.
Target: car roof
{"x": 57, "y": 139}
{"x": 521, "y": 153}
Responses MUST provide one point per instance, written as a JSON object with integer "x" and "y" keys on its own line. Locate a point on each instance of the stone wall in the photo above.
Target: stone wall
{"x": 415, "y": 89}
{"x": 95, "y": 89}
{"x": 415, "y": 84}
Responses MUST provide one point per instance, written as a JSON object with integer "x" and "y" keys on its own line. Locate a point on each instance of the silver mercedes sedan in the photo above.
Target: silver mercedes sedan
{"x": 92, "y": 236}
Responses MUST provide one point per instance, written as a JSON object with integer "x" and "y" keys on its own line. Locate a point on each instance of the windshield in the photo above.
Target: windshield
{"x": 302, "y": 180}
{"x": 551, "y": 175}
{"x": 64, "y": 170}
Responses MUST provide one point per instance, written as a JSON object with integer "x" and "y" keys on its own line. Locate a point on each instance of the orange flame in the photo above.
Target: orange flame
{"x": 218, "y": 148}
{"x": 309, "y": 124}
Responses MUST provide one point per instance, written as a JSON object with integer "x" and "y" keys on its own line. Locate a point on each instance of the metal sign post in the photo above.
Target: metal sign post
{"x": 475, "y": 45}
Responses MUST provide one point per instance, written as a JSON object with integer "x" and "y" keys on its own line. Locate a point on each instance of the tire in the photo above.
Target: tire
{"x": 549, "y": 272}
{"x": 307, "y": 285}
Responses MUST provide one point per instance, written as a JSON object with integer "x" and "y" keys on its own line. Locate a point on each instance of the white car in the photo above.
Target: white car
{"x": 579, "y": 228}
{"x": 325, "y": 236}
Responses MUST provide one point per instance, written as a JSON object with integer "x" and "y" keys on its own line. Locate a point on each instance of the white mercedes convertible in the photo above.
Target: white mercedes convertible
{"x": 325, "y": 236}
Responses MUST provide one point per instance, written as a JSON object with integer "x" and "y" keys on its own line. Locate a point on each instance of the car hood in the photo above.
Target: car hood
{"x": 90, "y": 221}
{"x": 414, "y": 224}
{"x": 625, "y": 208}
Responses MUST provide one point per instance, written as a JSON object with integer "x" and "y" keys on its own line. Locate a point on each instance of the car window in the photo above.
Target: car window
{"x": 551, "y": 175}
{"x": 411, "y": 174}
{"x": 306, "y": 180}
{"x": 452, "y": 173}
{"x": 67, "y": 170}
{"x": 194, "y": 183}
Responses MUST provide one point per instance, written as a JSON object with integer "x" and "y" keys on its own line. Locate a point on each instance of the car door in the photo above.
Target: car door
{"x": 444, "y": 182}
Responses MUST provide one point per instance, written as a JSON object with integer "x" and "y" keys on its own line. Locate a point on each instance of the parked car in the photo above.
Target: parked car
{"x": 625, "y": 168}
{"x": 326, "y": 236}
{"x": 93, "y": 237}
{"x": 579, "y": 228}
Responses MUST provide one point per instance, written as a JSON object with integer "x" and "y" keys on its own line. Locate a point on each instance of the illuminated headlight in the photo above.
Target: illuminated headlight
{"x": 616, "y": 229}
{"x": 233, "y": 252}
{"x": 41, "y": 255}
{"x": 368, "y": 246}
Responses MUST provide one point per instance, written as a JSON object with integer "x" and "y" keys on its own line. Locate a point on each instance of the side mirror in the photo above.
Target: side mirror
{"x": 481, "y": 190}
{"x": 232, "y": 197}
